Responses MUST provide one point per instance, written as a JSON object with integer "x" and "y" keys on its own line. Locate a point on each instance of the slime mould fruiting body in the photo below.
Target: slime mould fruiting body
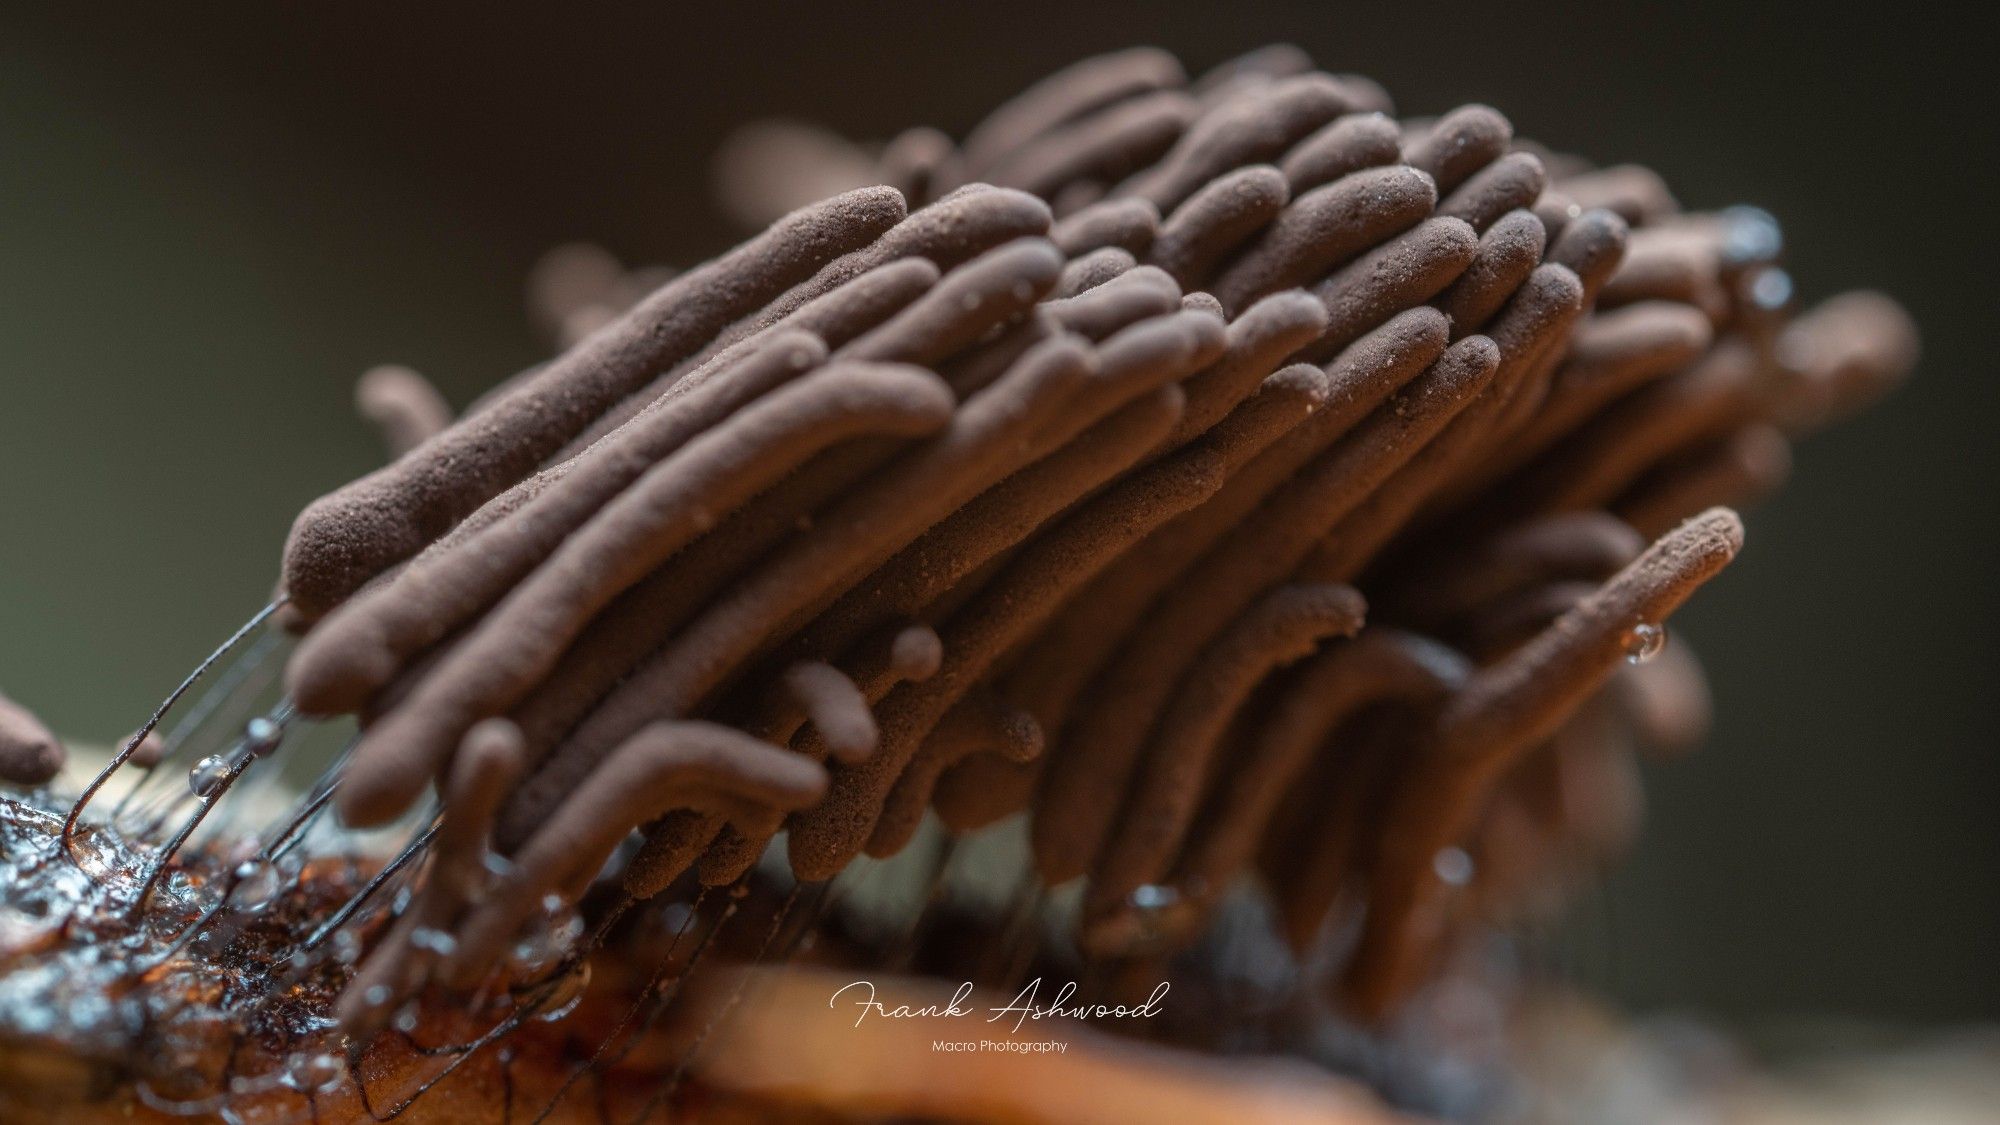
{"x": 1225, "y": 482}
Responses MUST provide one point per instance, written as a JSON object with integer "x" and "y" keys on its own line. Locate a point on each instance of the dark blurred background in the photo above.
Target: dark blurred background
{"x": 206, "y": 232}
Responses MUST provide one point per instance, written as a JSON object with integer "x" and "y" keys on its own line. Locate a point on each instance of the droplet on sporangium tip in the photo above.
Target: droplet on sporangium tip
{"x": 1643, "y": 642}
{"x": 207, "y": 776}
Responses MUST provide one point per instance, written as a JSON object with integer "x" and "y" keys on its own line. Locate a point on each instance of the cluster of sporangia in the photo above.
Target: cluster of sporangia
{"x": 1225, "y": 475}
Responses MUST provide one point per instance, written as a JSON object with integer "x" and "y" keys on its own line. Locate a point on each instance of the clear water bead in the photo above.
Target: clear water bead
{"x": 208, "y": 775}
{"x": 1453, "y": 866}
{"x": 244, "y": 1084}
{"x": 257, "y": 885}
{"x": 346, "y": 946}
{"x": 1750, "y": 234}
{"x": 565, "y": 995}
{"x": 313, "y": 1073}
{"x": 1772, "y": 289}
{"x": 547, "y": 939}
{"x": 434, "y": 941}
{"x": 261, "y": 736}
{"x": 1644, "y": 642}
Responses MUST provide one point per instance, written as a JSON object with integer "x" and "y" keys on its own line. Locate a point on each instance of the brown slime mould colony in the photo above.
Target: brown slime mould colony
{"x": 1221, "y": 483}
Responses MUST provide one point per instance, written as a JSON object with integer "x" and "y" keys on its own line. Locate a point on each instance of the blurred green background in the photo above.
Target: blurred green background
{"x": 206, "y": 232}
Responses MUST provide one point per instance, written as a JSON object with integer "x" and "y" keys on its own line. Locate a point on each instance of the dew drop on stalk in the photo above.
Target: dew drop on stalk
{"x": 1159, "y": 908}
{"x": 207, "y": 776}
{"x": 346, "y": 946}
{"x": 1750, "y": 234}
{"x": 1643, "y": 642}
{"x": 261, "y": 736}
{"x": 548, "y": 938}
{"x": 258, "y": 882}
{"x": 565, "y": 995}
{"x": 497, "y": 866}
{"x": 433, "y": 941}
{"x": 1452, "y": 866}
{"x": 1772, "y": 289}
{"x": 310, "y": 1073}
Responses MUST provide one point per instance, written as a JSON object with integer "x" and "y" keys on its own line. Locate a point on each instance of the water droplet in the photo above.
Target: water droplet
{"x": 1644, "y": 642}
{"x": 970, "y": 301}
{"x": 261, "y": 736}
{"x": 1452, "y": 866}
{"x": 547, "y": 939}
{"x": 566, "y": 994}
{"x": 433, "y": 941}
{"x": 531, "y": 955}
{"x": 208, "y": 775}
{"x": 1023, "y": 291}
{"x": 376, "y": 995}
{"x": 1750, "y": 234}
{"x": 1772, "y": 289}
{"x": 670, "y": 921}
{"x": 408, "y": 1017}
{"x": 1159, "y": 910}
{"x": 345, "y": 946}
{"x": 257, "y": 885}
{"x": 313, "y": 1073}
